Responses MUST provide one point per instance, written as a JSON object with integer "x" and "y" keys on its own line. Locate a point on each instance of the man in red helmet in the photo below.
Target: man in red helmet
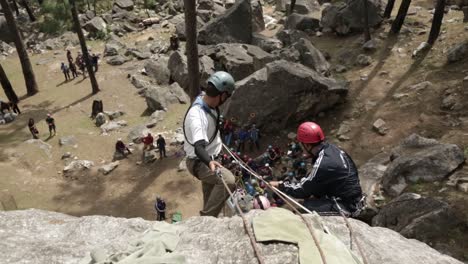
{"x": 333, "y": 181}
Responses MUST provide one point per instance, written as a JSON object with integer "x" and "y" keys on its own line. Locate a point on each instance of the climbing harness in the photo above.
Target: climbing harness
{"x": 244, "y": 220}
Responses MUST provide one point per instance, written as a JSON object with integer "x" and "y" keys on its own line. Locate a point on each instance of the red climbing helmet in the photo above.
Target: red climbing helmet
{"x": 310, "y": 133}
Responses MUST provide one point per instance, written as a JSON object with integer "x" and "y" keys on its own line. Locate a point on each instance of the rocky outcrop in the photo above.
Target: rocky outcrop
{"x": 234, "y": 26}
{"x": 158, "y": 69}
{"x": 258, "y": 24}
{"x": 420, "y": 159}
{"x": 54, "y": 237}
{"x": 304, "y": 6}
{"x": 346, "y": 17}
{"x": 265, "y": 43}
{"x": 417, "y": 217}
{"x": 5, "y": 34}
{"x": 96, "y": 25}
{"x": 178, "y": 68}
{"x": 458, "y": 52}
{"x": 302, "y": 22}
{"x": 294, "y": 92}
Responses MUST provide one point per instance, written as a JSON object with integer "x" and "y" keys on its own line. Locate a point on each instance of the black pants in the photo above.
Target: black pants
{"x": 51, "y": 127}
{"x": 67, "y": 75}
{"x": 16, "y": 109}
{"x": 162, "y": 152}
{"x": 161, "y": 216}
{"x": 325, "y": 206}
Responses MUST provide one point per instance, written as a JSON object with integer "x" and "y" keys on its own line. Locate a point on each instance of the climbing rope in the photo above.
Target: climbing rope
{"x": 283, "y": 195}
{"x": 244, "y": 220}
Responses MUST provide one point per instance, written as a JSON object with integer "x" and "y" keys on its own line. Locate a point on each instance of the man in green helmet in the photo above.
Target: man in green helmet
{"x": 203, "y": 142}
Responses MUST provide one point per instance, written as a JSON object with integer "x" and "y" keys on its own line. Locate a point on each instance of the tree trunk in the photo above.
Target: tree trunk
{"x": 192, "y": 48}
{"x": 400, "y": 18}
{"x": 15, "y": 7}
{"x": 84, "y": 49}
{"x": 436, "y": 22}
{"x": 89, "y": 5}
{"x": 95, "y": 7}
{"x": 24, "y": 3}
{"x": 9, "y": 92}
{"x": 292, "y": 5}
{"x": 367, "y": 35}
{"x": 29, "y": 78}
{"x": 40, "y": 2}
{"x": 389, "y": 8}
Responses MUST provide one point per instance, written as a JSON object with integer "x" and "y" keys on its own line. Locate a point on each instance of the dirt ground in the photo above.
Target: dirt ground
{"x": 33, "y": 179}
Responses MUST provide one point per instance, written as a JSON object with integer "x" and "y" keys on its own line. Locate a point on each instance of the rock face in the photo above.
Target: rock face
{"x": 302, "y": 22}
{"x": 304, "y": 6}
{"x": 53, "y": 237}
{"x": 417, "y": 217}
{"x": 124, "y": 4}
{"x": 117, "y": 60}
{"x": 458, "y": 52}
{"x": 282, "y": 81}
{"x": 96, "y": 25}
{"x": 258, "y": 24}
{"x": 234, "y": 26}
{"x": 5, "y": 34}
{"x": 158, "y": 69}
{"x": 265, "y": 43}
{"x": 179, "y": 69}
{"x": 420, "y": 159}
{"x": 240, "y": 60}
{"x": 156, "y": 98}
{"x": 312, "y": 57}
{"x": 344, "y": 18}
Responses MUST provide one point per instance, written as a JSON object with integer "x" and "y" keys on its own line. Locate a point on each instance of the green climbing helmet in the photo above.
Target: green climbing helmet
{"x": 223, "y": 81}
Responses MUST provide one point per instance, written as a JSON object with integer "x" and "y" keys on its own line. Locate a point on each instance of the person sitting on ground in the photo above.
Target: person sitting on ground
{"x": 121, "y": 148}
{"x": 333, "y": 180}
{"x": 160, "y": 207}
{"x": 161, "y": 146}
{"x": 65, "y": 71}
{"x": 51, "y": 124}
{"x": 33, "y": 128}
{"x": 148, "y": 142}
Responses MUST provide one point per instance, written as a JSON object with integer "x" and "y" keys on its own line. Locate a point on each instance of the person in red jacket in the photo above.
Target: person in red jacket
{"x": 148, "y": 142}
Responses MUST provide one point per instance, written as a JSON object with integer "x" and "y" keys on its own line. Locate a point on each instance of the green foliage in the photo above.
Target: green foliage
{"x": 150, "y": 4}
{"x": 56, "y": 16}
{"x": 100, "y": 35}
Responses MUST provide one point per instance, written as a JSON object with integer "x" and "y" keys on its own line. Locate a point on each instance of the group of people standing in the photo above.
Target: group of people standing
{"x": 78, "y": 64}
{"x": 239, "y": 136}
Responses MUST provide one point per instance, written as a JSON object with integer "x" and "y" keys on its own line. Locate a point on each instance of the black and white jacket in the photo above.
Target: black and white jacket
{"x": 334, "y": 174}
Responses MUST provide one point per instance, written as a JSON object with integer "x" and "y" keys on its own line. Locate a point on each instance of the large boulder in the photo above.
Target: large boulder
{"x": 370, "y": 176}
{"x": 124, "y": 4}
{"x": 117, "y": 60}
{"x": 96, "y": 25}
{"x": 234, "y": 26}
{"x": 207, "y": 240}
{"x": 180, "y": 25}
{"x": 295, "y": 92}
{"x": 179, "y": 93}
{"x": 179, "y": 69}
{"x": 100, "y": 119}
{"x": 312, "y": 57}
{"x": 113, "y": 125}
{"x": 158, "y": 69}
{"x": 113, "y": 48}
{"x": 458, "y": 52}
{"x": 346, "y": 17}
{"x": 240, "y": 60}
{"x": 156, "y": 98}
{"x": 420, "y": 159}
{"x": 108, "y": 168}
{"x": 77, "y": 166}
{"x": 413, "y": 216}
{"x": 290, "y": 36}
{"x": 304, "y": 6}
{"x": 265, "y": 43}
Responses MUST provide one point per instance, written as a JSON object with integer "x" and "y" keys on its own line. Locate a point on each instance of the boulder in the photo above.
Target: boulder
{"x": 113, "y": 125}
{"x": 280, "y": 5}
{"x": 288, "y": 37}
{"x": 9, "y": 117}
{"x": 420, "y": 159}
{"x": 138, "y": 54}
{"x": 155, "y": 118}
{"x": 138, "y": 82}
{"x": 157, "y": 98}
{"x": 6, "y": 49}
{"x": 380, "y": 127}
{"x": 258, "y": 24}
{"x": 66, "y": 155}
{"x": 108, "y": 168}
{"x": 180, "y": 26}
{"x": 117, "y": 156}
{"x": 137, "y": 133}
{"x": 312, "y": 57}
{"x": 179, "y": 93}
{"x": 205, "y": 5}
{"x": 234, "y": 26}
{"x": 458, "y": 53}
{"x": 265, "y": 43}
{"x": 67, "y": 141}
{"x": 158, "y": 69}
{"x": 302, "y": 22}
{"x": 370, "y": 176}
{"x": 417, "y": 217}
{"x": 282, "y": 81}
{"x": 100, "y": 119}
{"x": 304, "y": 6}
{"x": 124, "y": 4}
{"x": 179, "y": 69}
{"x": 112, "y": 48}
{"x": 363, "y": 60}
{"x": 114, "y": 114}
{"x": 201, "y": 239}
{"x": 117, "y": 60}
{"x": 96, "y": 25}
{"x": 344, "y": 18}
{"x": 78, "y": 165}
